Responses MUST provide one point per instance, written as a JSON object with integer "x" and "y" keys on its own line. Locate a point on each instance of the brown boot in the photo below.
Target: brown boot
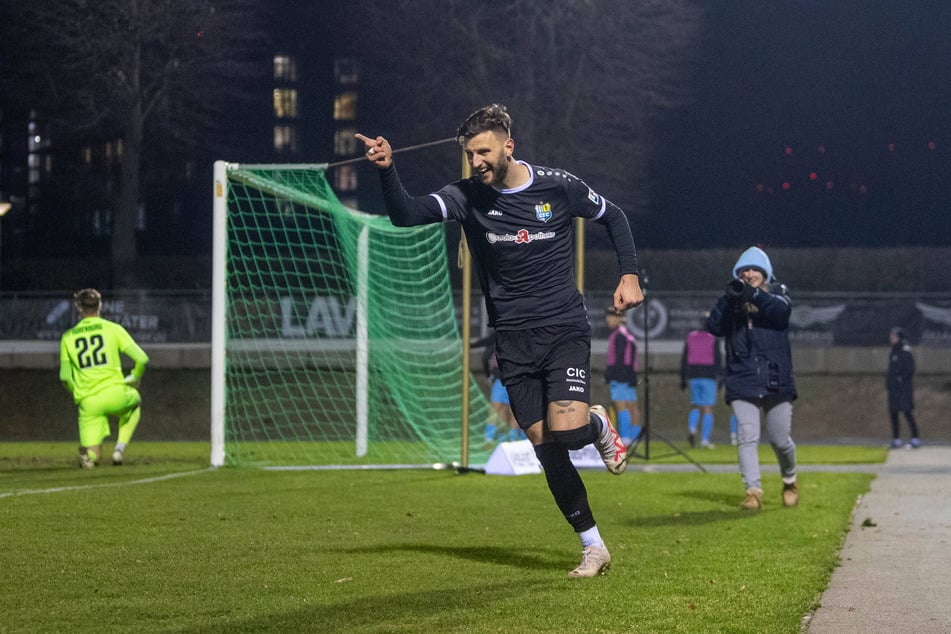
{"x": 753, "y": 500}
{"x": 790, "y": 494}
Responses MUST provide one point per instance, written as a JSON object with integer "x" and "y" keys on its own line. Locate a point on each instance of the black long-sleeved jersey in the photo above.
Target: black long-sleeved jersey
{"x": 522, "y": 239}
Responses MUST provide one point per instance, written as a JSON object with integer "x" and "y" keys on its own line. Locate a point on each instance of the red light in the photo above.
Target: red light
{"x": 760, "y": 187}
{"x": 830, "y": 185}
{"x": 891, "y": 147}
{"x": 788, "y": 151}
{"x": 786, "y": 186}
{"x": 813, "y": 176}
{"x": 931, "y": 145}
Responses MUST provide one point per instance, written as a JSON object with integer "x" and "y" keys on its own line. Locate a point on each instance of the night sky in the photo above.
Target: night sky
{"x": 809, "y": 124}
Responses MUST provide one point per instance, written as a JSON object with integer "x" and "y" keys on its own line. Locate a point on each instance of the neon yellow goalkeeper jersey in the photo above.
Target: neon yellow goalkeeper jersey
{"x": 90, "y": 356}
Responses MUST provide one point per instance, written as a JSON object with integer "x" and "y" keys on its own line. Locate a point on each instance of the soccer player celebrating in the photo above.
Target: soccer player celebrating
{"x": 518, "y": 221}
{"x": 90, "y": 367}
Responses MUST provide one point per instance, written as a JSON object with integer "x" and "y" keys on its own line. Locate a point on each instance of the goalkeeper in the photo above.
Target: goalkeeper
{"x": 518, "y": 220}
{"x": 90, "y": 367}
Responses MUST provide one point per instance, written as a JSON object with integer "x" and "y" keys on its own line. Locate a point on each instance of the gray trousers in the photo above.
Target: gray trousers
{"x": 778, "y": 426}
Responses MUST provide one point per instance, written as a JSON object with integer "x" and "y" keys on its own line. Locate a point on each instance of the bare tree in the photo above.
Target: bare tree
{"x": 120, "y": 68}
{"x": 583, "y": 79}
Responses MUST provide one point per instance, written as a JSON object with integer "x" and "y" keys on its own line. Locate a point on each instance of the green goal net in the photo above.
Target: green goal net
{"x": 335, "y": 338}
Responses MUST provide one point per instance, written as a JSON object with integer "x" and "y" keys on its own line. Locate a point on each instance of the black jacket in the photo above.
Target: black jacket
{"x": 899, "y": 380}
{"x": 758, "y": 356}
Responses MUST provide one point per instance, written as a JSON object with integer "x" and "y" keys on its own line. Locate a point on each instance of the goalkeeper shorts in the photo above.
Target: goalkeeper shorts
{"x": 95, "y": 410}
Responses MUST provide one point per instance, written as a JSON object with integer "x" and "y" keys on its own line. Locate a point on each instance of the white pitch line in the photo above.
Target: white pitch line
{"x": 80, "y": 487}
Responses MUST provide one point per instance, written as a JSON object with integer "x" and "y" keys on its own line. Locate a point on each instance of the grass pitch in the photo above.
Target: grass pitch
{"x": 165, "y": 544}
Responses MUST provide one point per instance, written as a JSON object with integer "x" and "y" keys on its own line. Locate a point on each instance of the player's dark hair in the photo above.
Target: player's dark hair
{"x": 488, "y": 118}
{"x": 87, "y": 300}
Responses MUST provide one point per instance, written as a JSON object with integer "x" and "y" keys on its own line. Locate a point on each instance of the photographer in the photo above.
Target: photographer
{"x": 754, "y": 321}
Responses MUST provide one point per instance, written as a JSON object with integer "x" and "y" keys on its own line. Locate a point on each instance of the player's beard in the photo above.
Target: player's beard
{"x": 499, "y": 171}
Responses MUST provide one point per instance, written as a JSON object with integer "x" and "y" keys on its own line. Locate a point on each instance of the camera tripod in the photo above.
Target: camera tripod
{"x": 643, "y": 438}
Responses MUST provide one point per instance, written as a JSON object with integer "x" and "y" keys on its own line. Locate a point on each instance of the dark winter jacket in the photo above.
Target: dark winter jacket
{"x": 899, "y": 380}
{"x": 758, "y": 356}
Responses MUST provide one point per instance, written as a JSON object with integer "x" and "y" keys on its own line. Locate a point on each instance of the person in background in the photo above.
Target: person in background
{"x": 701, "y": 367}
{"x": 620, "y": 372}
{"x": 518, "y": 219}
{"x": 503, "y": 427}
{"x": 899, "y": 382}
{"x": 754, "y": 320}
{"x": 90, "y": 367}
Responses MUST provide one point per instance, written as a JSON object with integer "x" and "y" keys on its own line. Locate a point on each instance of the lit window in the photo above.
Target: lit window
{"x": 285, "y": 103}
{"x": 87, "y": 155}
{"x": 345, "y": 143}
{"x": 35, "y": 162}
{"x": 345, "y": 178}
{"x": 285, "y": 68}
{"x": 345, "y": 106}
{"x": 285, "y": 138}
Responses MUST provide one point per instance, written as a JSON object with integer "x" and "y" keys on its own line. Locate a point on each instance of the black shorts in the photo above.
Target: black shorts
{"x": 542, "y": 365}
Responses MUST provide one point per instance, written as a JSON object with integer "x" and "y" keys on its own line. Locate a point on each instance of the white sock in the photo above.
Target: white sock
{"x": 120, "y": 447}
{"x": 591, "y": 537}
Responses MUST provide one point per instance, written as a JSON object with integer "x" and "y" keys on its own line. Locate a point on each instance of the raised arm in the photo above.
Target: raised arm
{"x": 404, "y": 210}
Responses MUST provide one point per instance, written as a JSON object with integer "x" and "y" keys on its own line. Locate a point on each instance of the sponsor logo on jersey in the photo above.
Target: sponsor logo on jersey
{"x": 494, "y": 212}
{"x": 522, "y": 236}
{"x": 575, "y": 388}
{"x": 543, "y": 212}
{"x": 593, "y": 197}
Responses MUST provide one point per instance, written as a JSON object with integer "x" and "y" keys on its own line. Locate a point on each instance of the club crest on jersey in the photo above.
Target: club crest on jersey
{"x": 543, "y": 212}
{"x": 593, "y": 197}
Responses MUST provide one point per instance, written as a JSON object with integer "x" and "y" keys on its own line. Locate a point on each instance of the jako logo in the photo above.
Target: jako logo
{"x": 494, "y": 212}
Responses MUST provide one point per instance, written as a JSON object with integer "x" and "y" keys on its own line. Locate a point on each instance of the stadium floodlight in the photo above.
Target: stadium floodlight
{"x": 335, "y": 340}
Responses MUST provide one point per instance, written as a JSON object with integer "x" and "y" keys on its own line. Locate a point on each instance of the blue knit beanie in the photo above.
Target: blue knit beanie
{"x": 755, "y": 258}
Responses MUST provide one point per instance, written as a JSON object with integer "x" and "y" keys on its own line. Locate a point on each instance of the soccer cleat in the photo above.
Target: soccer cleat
{"x": 915, "y": 443}
{"x": 706, "y": 444}
{"x": 594, "y": 561}
{"x": 896, "y": 443}
{"x": 609, "y": 443}
{"x": 692, "y": 439}
{"x": 86, "y": 462}
{"x": 790, "y": 494}
{"x": 117, "y": 457}
{"x": 753, "y": 500}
